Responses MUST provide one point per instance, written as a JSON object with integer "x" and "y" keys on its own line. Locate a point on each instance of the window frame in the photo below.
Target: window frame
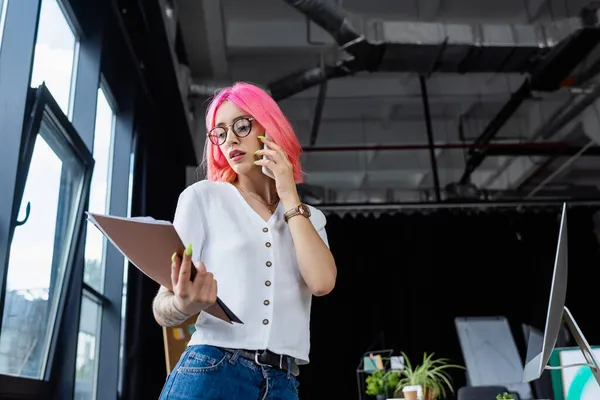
{"x": 16, "y": 56}
{"x": 44, "y": 102}
{"x": 87, "y": 291}
{"x": 40, "y": 103}
{"x": 93, "y": 30}
{"x": 109, "y": 339}
{"x": 99, "y": 296}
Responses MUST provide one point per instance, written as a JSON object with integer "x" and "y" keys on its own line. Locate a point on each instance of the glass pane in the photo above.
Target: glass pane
{"x": 3, "y": 8}
{"x": 54, "y": 56}
{"x": 99, "y": 192}
{"x": 38, "y": 255}
{"x": 87, "y": 350}
{"x": 125, "y": 277}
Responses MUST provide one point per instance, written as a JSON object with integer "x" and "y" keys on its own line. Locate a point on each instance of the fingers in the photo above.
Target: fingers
{"x": 274, "y": 151}
{"x": 269, "y": 143}
{"x": 268, "y": 153}
{"x": 186, "y": 265}
{"x": 205, "y": 285}
{"x": 200, "y": 267}
{"x": 206, "y": 288}
{"x": 175, "y": 266}
{"x": 266, "y": 163}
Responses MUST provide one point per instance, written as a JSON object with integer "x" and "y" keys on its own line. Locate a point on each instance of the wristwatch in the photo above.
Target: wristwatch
{"x": 302, "y": 209}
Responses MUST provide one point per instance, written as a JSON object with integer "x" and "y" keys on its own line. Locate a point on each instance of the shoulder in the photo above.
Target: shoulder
{"x": 317, "y": 217}
{"x": 199, "y": 196}
{"x": 204, "y": 189}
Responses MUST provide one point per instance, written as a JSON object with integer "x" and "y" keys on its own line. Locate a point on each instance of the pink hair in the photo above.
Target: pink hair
{"x": 265, "y": 110}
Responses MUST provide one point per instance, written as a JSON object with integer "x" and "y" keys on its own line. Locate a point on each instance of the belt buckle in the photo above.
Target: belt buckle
{"x": 256, "y": 359}
{"x": 256, "y": 355}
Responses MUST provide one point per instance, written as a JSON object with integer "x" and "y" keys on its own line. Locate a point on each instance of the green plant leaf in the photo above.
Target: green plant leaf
{"x": 431, "y": 374}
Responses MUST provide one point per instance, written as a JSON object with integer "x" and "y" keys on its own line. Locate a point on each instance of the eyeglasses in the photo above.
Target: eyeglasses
{"x": 242, "y": 126}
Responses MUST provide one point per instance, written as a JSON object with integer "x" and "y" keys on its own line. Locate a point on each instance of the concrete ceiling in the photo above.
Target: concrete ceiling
{"x": 264, "y": 40}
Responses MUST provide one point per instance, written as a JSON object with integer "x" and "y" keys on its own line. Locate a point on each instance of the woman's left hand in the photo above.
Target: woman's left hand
{"x": 281, "y": 167}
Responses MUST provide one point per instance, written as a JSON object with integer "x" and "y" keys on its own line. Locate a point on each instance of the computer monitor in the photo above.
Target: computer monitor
{"x": 572, "y": 383}
{"x": 538, "y": 354}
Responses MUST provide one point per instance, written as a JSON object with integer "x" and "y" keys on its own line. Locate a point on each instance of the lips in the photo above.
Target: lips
{"x": 235, "y": 153}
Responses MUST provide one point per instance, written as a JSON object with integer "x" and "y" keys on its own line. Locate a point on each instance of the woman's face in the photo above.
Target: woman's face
{"x": 238, "y": 138}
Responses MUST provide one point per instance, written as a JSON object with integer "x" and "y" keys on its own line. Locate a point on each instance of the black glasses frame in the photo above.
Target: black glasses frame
{"x": 216, "y": 141}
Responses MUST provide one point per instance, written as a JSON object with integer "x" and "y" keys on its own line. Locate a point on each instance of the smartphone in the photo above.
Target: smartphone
{"x": 265, "y": 170}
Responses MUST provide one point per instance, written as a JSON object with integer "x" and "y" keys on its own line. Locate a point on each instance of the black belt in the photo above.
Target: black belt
{"x": 268, "y": 358}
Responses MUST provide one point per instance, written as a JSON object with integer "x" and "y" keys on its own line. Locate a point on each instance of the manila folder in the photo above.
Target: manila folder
{"x": 149, "y": 245}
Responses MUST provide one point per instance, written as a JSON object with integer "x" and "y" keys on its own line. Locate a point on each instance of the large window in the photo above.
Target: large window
{"x": 53, "y": 174}
{"x": 95, "y": 250}
{"x": 100, "y": 191}
{"x": 55, "y": 54}
{"x": 57, "y": 179}
{"x": 68, "y": 151}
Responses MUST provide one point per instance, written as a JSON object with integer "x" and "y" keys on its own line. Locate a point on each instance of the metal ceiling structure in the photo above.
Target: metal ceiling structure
{"x": 405, "y": 103}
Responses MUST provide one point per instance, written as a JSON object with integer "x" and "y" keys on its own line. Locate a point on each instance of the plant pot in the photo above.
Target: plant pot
{"x": 381, "y": 397}
{"x": 428, "y": 395}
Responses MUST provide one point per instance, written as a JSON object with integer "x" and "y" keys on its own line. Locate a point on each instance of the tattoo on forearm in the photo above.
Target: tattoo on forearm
{"x": 165, "y": 311}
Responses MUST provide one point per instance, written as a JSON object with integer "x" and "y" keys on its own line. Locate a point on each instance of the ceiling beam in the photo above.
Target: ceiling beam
{"x": 215, "y": 36}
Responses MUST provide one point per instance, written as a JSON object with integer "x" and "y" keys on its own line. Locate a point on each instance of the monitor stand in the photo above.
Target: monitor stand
{"x": 583, "y": 345}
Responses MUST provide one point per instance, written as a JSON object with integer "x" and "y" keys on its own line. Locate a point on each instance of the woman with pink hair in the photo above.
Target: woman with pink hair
{"x": 246, "y": 228}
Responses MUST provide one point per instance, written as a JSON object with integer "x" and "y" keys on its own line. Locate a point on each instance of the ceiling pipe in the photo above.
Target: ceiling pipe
{"x": 320, "y": 104}
{"x": 554, "y": 124}
{"x": 565, "y": 118}
{"x": 477, "y": 155}
{"x": 493, "y": 149}
{"x": 559, "y": 170}
{"x": 549, "y": 75}
{"x": 329, "y": 17}
{"x": 303, "y": 80}
{"x": 403, "y": 46}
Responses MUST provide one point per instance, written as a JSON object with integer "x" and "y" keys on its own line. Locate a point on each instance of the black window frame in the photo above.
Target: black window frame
{"x": 40, "y": 105}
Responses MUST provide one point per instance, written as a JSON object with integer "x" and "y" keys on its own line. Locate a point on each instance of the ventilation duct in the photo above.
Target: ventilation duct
{"x": 328, "y": 17}
{"x": 548, "y": 53}
{"x": 398, "y": 46}
{"x": 547, "y": 75}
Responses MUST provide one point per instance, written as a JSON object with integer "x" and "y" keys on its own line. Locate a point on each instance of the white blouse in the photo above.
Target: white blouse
{"x": 254, "y": 263}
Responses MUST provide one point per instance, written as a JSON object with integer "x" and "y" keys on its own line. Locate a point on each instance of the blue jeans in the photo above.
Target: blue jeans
{"x": 207, "y": 372}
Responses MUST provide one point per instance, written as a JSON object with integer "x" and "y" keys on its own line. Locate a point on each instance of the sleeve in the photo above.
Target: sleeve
{"x": 189, "y": 221}
{"x": 319, "y": 221}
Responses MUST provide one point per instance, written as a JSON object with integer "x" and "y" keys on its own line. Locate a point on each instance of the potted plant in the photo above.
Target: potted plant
{"x": 505, "y": 396}
{"x": 431, "y": 374}
{"x": 381, "y": 383}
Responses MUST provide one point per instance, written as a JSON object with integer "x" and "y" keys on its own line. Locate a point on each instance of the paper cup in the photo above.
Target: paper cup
{"x": 411, "y": 392}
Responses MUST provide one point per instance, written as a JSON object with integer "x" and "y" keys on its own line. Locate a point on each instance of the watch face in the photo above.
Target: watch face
{"x": 304, "y": 210}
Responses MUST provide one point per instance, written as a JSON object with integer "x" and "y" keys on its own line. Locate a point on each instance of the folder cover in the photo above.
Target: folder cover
{"x": 149, "y": 245}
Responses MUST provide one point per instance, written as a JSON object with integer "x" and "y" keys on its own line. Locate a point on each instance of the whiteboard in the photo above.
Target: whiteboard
{"x": 491, "y": 354}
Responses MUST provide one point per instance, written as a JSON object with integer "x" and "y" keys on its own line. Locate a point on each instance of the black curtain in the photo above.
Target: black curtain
{"x": 404, "y": 278}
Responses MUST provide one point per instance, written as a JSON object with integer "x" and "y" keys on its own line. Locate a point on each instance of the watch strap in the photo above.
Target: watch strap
{"x": 301, "y": 209}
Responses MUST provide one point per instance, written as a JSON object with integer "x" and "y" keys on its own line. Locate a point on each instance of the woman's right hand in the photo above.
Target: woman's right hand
{"x": 191, "y": 297}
